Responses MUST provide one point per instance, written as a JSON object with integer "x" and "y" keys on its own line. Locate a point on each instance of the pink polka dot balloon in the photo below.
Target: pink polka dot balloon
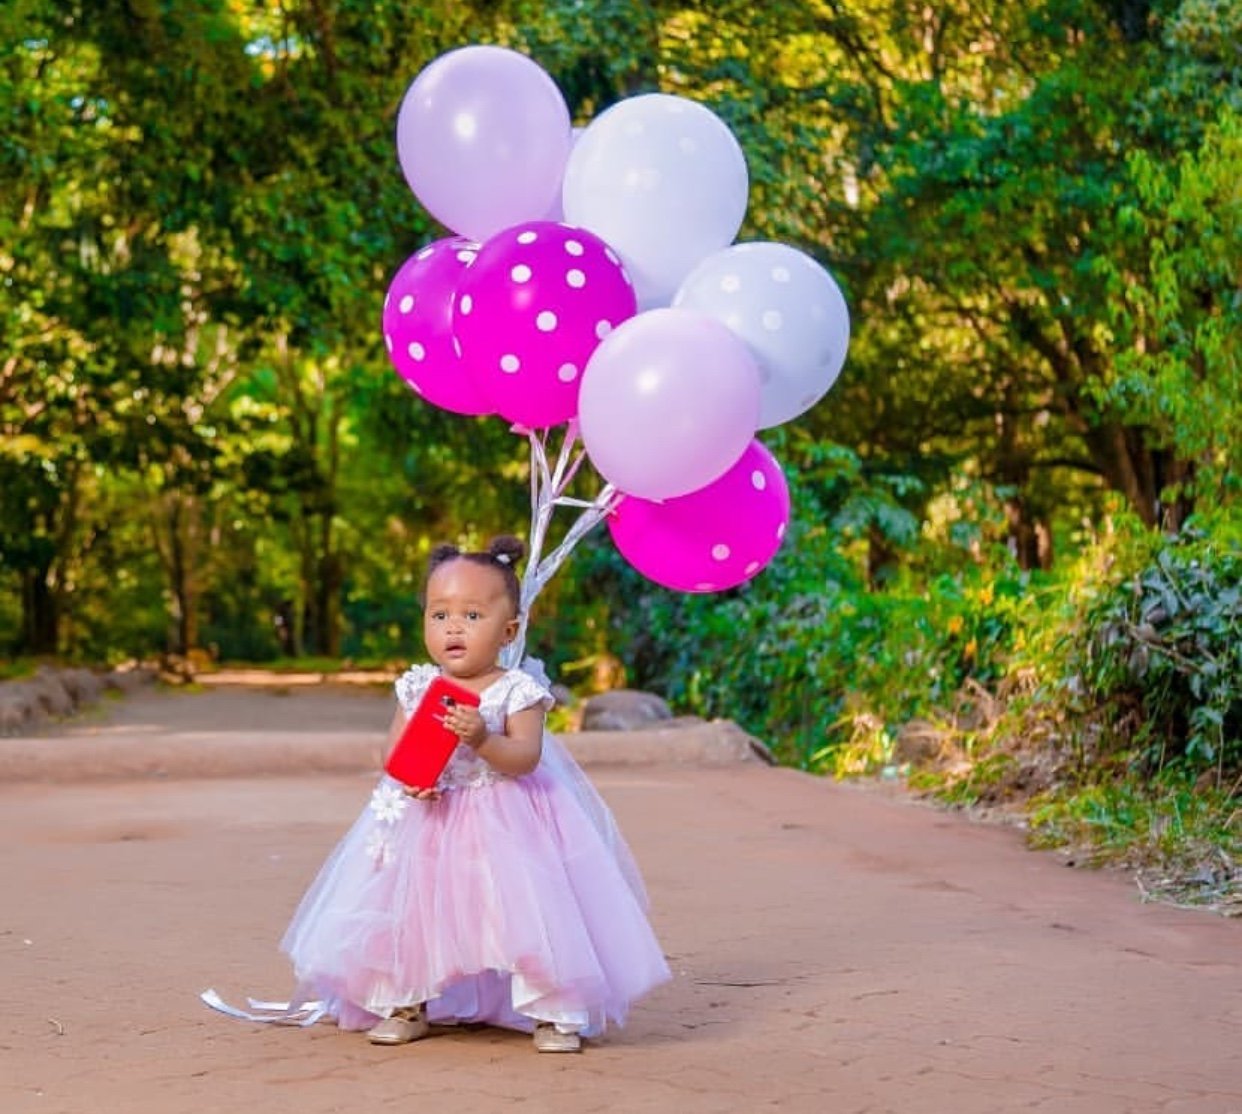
{"x": 531, "y": 311}
{"x": 715, "y": 538}
{"x": 418, "y": 327}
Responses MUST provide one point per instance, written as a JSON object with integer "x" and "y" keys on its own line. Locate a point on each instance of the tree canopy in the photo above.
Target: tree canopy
{"x": 1033, "y": 210}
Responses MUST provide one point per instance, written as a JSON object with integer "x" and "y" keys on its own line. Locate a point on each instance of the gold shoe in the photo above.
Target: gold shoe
{"x": 548, "y": 1038}
{"x": 405, "y": 1025}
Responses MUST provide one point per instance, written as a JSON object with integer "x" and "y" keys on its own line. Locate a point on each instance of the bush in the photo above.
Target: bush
{"x": 806, "y": 653}
{"x": 1161, "y": 654}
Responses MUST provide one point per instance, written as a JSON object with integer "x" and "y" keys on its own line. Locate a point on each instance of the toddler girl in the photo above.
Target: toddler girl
{"x": 504, "y": 895}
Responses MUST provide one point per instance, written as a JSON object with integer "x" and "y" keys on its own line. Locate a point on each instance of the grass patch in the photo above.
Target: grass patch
{"x": 17, "y": 668}
{"x": 1182, "y": 840}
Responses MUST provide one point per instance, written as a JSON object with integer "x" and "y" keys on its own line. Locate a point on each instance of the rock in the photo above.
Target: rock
{"x": 175, "y": 669}
{"x": 83, "y": 686}
{"x": 17, "y": 709}
{"x": 683, "y": 721}
{"x": 51, "y": 692}
{"x": 57, "y": 694}
{"x": 129, "y": 678}
{"x": 715, "y": 743}
{"x": 624, "y": 710}
{"x": 918, "y": 742}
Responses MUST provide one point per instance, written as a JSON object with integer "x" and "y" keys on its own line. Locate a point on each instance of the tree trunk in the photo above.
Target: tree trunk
{"x": 287, "y": 629}
{"x": 882, "y": 559}
{"x": 329, "y": 605}
{"x": 322, "y": 578}
{"x": 183, "y": 556}
{"x": 174, "y": 527}
{"x": 1030, "y": 539}
{"x": 40, "y": 632}
{"x": 308, "y": 628}
{"x": 1176, "y": 478}
{"x": 1143, "y": 474}
{"x": 1122, "y": 454}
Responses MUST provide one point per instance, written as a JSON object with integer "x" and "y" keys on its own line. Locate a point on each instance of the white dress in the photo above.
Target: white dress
{"x": 508, "y": 900}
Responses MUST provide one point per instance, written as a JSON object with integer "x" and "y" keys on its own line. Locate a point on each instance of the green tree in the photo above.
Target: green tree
{"x": 1177, "y": 325}
{"x": 993, "y": 215}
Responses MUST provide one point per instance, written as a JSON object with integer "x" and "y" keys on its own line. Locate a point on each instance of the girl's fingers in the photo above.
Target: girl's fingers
{"x": 463, "y": 724}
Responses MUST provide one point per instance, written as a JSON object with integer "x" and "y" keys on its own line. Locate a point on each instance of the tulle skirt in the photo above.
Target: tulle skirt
{"x": 507, "y": 902}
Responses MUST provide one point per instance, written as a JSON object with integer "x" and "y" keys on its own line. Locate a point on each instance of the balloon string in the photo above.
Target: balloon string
{"x": 559, "y": 479}
{"x": 547, "y": 485}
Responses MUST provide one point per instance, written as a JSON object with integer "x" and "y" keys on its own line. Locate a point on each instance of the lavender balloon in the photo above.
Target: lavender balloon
{"x": 669, "y": 402}
{"x": 531, "y": 311}
{"x": 418, "y": 327}
{"x": 715, "y": 538}
{"x": 483, "y": 134}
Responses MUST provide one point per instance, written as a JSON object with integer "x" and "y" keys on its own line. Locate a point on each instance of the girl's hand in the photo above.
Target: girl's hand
{"x": 467, "y": 724}
{"x": 422, "y": 794}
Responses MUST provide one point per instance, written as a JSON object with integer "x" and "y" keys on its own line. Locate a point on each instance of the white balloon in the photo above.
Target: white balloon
{"x": 790, "y": 312}
{"x": 663, "y": 181}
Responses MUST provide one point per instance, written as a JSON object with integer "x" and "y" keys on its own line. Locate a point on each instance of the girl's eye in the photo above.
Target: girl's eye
{"x": 438, "y": 615}
{"x": 472, "y": 615}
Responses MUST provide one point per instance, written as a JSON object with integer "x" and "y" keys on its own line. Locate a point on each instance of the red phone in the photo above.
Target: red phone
{"x": 425, "y": 745}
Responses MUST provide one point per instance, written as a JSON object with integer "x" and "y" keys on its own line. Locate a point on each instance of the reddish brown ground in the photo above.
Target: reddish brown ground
{"x": 835, "y": 949}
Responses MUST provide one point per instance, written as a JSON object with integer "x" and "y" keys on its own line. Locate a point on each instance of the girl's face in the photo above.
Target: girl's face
{"x": 468, "y": 618}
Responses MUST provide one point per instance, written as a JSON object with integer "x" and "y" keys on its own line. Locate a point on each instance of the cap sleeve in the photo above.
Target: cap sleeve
{"x": 411, "y": 685}
{"x": 525, "y": 692}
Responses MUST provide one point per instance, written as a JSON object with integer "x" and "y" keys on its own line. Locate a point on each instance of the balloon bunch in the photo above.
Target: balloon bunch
{"x": 593, "y": 281}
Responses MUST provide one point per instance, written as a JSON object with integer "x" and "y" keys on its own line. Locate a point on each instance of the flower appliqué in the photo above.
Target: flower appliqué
{"x": 388, "y": 802}
{"x": 379, "y": 849}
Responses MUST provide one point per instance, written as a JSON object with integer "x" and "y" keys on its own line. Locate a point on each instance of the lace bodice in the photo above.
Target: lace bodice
{"x": 511, "y": 692}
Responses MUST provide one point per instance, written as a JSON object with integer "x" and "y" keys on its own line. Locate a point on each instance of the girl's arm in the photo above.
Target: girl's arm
{"x": 516, "y": 752}
{"x": 394, "y": 730}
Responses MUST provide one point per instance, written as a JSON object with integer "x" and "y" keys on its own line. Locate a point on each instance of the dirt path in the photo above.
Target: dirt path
{"x": 835, "y": 949}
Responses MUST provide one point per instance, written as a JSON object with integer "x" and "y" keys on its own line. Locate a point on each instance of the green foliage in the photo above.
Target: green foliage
{"x": 803, "y": 654}
{"x": 1112, "y": 723}
{"x": 1105, "y": 699}
{"x": 1162, "y": 652}
{"x": 1141, "y": 822}
{"x": 15, "y": 670}
{"x": 1182, "y": 839}
{"x": 1179, "y": 362}
{"x": 200, "y": 209}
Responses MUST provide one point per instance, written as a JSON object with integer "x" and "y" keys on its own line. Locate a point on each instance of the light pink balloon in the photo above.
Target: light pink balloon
{"x": 483, "y": 135}
{"x": 669, "y": 402}
{"x": 531, "y": 311}
{"x": 715, "y": 538}
{"x": 418, "y": 327}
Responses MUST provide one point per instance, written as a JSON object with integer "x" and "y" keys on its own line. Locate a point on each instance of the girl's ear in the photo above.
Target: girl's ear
{"x": 511, "y": 629}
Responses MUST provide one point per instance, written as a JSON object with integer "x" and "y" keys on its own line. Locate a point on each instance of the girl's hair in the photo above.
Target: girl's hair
{"x": 502, "y": 554}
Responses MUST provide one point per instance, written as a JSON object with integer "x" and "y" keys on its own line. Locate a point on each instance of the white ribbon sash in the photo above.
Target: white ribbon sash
{"x": 272, "y": 1013}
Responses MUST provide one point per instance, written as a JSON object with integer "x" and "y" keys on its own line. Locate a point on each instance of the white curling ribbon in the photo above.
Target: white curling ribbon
{"x": 548, "y": 484}
{"x": 302, "y": 1014}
